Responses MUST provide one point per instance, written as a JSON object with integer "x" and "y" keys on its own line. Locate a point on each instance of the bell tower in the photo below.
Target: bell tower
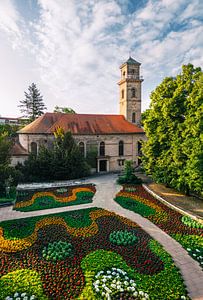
{"x": 130, "y": 91}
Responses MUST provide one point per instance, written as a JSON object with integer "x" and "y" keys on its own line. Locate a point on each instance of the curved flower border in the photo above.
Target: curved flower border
{"x": 21, "y": 244}
{"x": 70, "y": 198}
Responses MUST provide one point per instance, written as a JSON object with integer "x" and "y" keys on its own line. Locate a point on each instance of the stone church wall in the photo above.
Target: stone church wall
{"x": 114, "y": 161}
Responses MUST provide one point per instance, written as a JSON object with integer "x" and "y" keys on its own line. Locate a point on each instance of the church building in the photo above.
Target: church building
{"x": 111, "y": 139}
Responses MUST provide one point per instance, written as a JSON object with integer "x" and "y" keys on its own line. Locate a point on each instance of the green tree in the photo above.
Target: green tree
{"x": 129, "y": 177}
{"x": 173, "y": 153}
{"x": 62, "y": 162}
{"x": 5, "y": 147}
{"x": 32, "y": 106}
{"x": 9, "y": 130}
{"x": 65, "y": 110}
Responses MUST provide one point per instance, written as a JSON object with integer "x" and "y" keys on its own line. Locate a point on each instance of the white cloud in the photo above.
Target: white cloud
{"x": 74, "y": 49}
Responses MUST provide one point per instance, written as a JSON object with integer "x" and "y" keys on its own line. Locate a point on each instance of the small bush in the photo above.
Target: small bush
{"x": 57, "y": 251}
{"x": 129, "y": 176}
{"x": 23, "y": 281}
{"x": 122, "y": 238}
{"x": 191, "y": 223}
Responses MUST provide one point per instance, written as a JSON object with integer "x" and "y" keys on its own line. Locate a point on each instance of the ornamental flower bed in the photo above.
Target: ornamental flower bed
{"x": 187, "y": 232}
{"x": 94, "y": 268}
{"x": 55, "y": 197}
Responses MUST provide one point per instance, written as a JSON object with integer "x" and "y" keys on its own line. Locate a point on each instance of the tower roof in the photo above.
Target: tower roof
{"x": 132, "y": 61}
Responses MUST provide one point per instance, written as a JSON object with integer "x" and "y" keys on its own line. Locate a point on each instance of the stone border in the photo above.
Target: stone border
{"x": 171, "y": 205}
{"x": 42, "y": 185}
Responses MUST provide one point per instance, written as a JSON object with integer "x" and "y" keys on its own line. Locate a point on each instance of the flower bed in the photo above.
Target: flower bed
{"x": 34, "y": 260}
{"x": 172, "y": 222}
{"x": 55, "y": 197}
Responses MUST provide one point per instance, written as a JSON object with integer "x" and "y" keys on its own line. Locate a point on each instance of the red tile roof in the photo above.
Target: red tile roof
{"x": 18, "y": 150}
{"x": 81, "y": 124}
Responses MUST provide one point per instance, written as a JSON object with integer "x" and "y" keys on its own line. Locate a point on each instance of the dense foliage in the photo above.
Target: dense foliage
{"x": 57, "y": 251}
{"x": 32, "y": 106}
{"x": 8, "y": 175}
{"x": 61, "y": 162}
{"x": 128, "y": 177}
{"x": 122, "y": 238}
{"x": 173, "y": 152}
{"x": 64, "y": 110}
{"x": 141, "y": 268}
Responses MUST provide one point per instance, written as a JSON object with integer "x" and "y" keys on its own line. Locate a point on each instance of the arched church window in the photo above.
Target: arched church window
{"x": 124, "y": 74}
{"x": 120, "y": 148}
{"x": 102, "y": 149}
{"x": 133, "y": 92}
{"x": 82, "y": 148}
{"x": 133, "y": 117}
{"x": 122, "y": 94}
{"x": 33, "y": 147}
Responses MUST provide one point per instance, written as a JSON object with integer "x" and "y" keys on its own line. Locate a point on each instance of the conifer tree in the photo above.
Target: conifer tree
{"x": 32, "y": 106}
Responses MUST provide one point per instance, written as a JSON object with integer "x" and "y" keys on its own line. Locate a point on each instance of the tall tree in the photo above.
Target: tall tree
{"x": 32, "y": 106}
{"x": 62, "y": 161}
{"x": 65, "y": 110}
{"x": 173, "y": 153}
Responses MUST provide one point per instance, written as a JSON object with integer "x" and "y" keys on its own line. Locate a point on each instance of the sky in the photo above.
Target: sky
{"x": 72, "y": 49}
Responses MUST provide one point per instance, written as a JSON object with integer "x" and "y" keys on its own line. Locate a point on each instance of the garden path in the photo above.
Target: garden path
{"x": 106, "y": 189}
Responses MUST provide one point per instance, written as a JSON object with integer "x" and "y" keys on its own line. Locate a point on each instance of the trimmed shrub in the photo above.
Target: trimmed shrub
{"x": 57, "y": 251}
{"x": 122, "y": 238}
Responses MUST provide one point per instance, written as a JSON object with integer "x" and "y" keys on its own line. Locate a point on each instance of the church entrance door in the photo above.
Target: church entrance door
{"x": 102, "y": 165}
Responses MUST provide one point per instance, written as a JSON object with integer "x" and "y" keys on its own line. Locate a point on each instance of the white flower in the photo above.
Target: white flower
{"x": 131, "y": 281}
{"x": 126, "y": 283}
{"x": 104, "y": 279}
{"x": 108, "y": 272}
{"x": 113, "y": 285}
{"x": 25, "y": 298}
{"x": 133, "y": 284}
{"x": 141, "y": 293}
{"x": 113, "y": 273}
{"x": 135, "y": 294}
{"x": 182, "y": 297}
{"x": 23, "y": 294}
{"x": 103, "y": 294}
{"x": 188, "y": 249}
{"x": 197, "y": 250}
{"x": 16, "y": 295}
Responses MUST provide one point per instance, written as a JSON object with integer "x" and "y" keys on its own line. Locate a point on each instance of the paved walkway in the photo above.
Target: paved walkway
{"x": 106, "y": 191}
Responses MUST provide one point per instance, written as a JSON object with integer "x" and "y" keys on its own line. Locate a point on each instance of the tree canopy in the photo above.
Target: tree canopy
{"x": 173, "y": 153}
{"x": 61, "y": 162}
{"x": 65, "y": 110}
{"x": 32, "y": 106}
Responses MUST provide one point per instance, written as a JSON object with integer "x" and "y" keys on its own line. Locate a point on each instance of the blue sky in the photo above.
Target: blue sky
{"x": 72, "y": 49}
